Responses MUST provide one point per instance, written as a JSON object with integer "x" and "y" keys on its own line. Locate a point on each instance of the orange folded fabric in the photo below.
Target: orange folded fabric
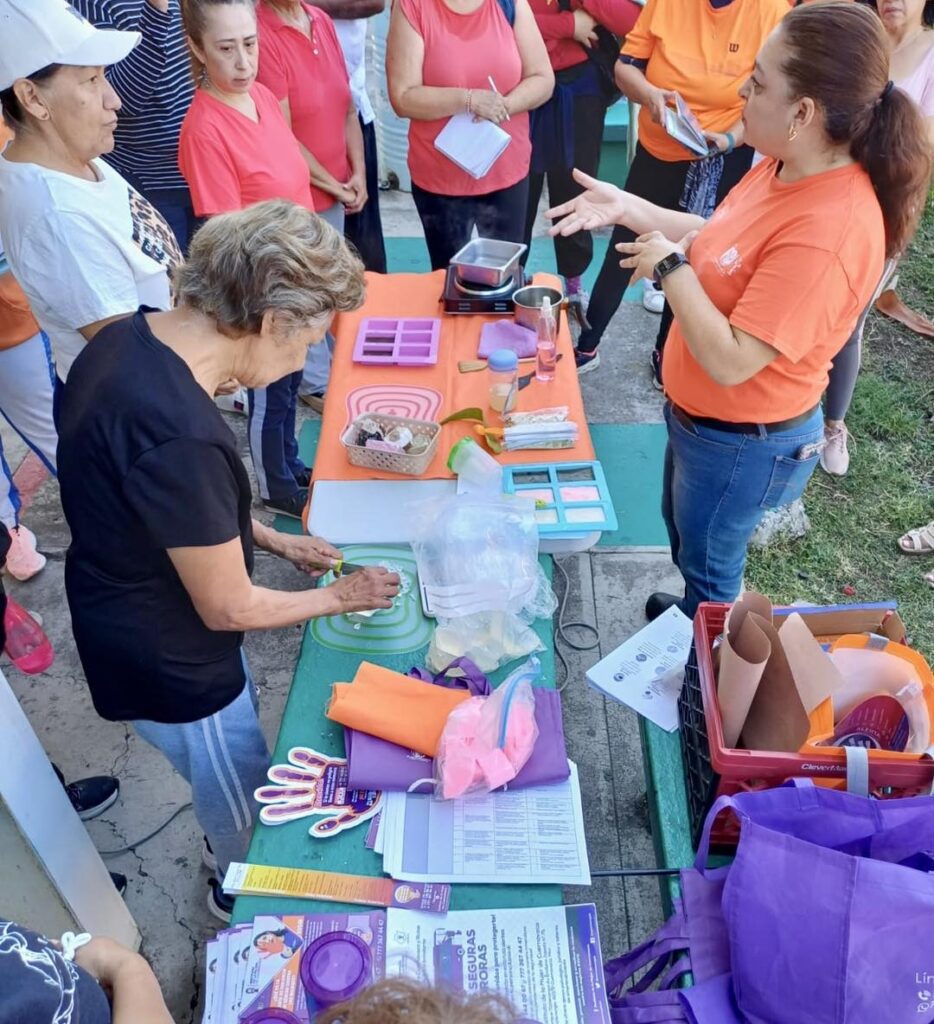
{"x": 394, "y": 707}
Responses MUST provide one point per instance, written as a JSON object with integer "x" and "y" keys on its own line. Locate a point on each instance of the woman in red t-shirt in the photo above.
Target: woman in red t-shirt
{"x": 236, "y": 149}
{"x": 441, "y": 59}
{"x": 302, "y": 64}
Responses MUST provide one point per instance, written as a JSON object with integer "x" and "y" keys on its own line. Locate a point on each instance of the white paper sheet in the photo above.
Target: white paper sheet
{"x": 647, "y": 671}
{"x": 473, "y": 145}
{"x": 521, "y": 836}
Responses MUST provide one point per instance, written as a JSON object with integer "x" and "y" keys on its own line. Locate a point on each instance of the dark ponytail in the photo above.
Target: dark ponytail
{"x": 838, "y": 55}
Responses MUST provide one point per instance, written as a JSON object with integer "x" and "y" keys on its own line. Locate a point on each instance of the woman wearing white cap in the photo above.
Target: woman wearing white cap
{"x": 85, "y": 246}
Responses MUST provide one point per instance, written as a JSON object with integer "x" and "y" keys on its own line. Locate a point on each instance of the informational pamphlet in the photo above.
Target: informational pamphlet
{"x": 546, "y": 960}
{"x": 682, "y": 124}
{"x": 646, "y": 672}
{"x": 523, "y": 836}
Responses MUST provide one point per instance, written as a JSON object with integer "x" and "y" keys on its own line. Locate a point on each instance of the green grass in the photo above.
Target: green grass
{"x": 889, "y": 489}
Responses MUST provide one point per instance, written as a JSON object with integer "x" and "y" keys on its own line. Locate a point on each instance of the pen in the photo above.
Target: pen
{"x": 489, "y": 78}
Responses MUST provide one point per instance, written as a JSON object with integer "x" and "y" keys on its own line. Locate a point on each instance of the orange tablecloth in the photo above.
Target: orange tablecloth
{"x": 419, "y": 295}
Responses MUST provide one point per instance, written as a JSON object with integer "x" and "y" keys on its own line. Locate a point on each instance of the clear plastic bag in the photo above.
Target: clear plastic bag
{"x": 477, "y": 559}
{"x": 487, "y": 741}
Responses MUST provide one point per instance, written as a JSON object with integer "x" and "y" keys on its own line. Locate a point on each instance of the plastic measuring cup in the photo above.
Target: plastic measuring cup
{"x": 476, "y": 470}
{"x": 335, "y": 967}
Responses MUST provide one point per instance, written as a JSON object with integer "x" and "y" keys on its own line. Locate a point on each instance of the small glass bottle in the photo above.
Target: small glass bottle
{"x": 503, "y": 369}
{"x": 546, "y": 346}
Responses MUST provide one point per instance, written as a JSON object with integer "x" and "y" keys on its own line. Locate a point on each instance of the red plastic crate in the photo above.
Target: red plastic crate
{"x": 713, "y": 769}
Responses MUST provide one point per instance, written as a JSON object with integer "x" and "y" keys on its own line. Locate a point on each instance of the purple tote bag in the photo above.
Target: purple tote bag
{"x": 825, "y": 916}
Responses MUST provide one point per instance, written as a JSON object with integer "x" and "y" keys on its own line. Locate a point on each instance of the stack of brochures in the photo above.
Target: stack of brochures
{"x": 521, "y": 836}
{"x": 546, "y": 961}
{"x": 681, "y": 124}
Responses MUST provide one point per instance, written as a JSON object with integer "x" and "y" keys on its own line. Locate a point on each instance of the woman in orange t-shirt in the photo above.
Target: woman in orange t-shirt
{"x": 775, "y": 282}
{"x": 702, "y": 51}
{"x": 483, "y": 58}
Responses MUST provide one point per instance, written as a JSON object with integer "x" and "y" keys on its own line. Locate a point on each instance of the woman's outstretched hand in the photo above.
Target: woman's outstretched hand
{"x": 599, "y": 206}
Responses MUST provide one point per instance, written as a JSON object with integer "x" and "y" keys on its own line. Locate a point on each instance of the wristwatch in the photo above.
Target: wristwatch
{"x": 670, "y": 263}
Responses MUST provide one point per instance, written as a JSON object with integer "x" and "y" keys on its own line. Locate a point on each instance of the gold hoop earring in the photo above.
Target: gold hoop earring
{"x": 793, "y": 134}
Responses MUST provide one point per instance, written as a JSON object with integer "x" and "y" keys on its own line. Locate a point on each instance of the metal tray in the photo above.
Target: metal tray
{"x": 487, "y": 261}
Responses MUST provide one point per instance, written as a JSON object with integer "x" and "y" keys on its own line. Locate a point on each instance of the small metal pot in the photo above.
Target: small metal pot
{"x": 528, "y": 302}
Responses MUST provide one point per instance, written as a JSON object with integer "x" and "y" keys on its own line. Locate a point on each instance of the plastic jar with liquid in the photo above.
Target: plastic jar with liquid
{"x": 503, "y": 372}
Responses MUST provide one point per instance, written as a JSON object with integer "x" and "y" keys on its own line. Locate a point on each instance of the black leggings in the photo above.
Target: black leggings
{"x": 573, "y": 252}
{"x": 660, "y": 182}
{"x": 449, "y": 220}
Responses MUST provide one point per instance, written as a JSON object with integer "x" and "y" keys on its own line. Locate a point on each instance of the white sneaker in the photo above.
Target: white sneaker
{"x": 23, "y": 561}
{"x": 835, "y": 459}
{"x": 235, "y": 402}
{"x": 653, "y": 298}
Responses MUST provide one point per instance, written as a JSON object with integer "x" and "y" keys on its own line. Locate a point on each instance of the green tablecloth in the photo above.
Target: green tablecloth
{"x": 304, "y": 724}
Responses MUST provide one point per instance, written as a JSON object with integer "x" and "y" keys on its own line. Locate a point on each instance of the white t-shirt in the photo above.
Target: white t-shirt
{"x": 82, "y": 250}
{"x": 352, "y": 35}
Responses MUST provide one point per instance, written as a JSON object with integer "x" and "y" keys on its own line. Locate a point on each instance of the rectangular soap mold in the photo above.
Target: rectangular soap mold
{"x": 402, "y": 341}
{"x": 560, "y": 483}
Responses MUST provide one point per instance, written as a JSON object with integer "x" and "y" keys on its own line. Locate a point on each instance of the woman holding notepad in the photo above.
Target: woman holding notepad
{"x": 702, "y": 51}
{"x": 473, "y": 68}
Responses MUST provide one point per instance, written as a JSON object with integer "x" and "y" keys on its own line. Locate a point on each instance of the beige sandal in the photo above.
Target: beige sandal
{"x": 919, "y": 541}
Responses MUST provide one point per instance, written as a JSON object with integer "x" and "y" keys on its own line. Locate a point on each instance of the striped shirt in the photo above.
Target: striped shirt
{"x": 154, "y": 81}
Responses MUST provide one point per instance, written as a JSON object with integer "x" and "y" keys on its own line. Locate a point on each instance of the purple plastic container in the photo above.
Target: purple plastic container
{"x": 272, "y": 1015}
{"x": 335, "y": 967}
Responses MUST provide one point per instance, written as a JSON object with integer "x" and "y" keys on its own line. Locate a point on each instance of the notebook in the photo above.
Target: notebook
{"x": 473, "y": 145}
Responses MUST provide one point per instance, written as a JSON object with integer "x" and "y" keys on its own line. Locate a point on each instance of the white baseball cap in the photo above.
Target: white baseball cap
{"x": 37, "y": 33}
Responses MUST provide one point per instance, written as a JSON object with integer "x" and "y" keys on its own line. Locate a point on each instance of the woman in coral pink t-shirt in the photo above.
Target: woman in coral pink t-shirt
{"x": 236, "y": 149}
{"x": 441, "y": 58}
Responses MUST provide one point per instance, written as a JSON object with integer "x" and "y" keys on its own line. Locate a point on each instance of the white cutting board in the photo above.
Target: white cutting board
{"x": 370, "y": 511}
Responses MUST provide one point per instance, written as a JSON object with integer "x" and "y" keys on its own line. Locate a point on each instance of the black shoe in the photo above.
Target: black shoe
{"x": 293, "y": 506}
{"x": 219, "y": 903}
{"x": 119, "y": 881}
{"x": 657, "y": 370}
{"x": 659, "y": 603}
{"x": 303, "y": 479}
{"x": 586, "y": 361}
{"x": 93, "y": 796}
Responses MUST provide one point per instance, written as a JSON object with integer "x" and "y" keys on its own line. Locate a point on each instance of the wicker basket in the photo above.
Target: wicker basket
{"x": 392, "y": 462}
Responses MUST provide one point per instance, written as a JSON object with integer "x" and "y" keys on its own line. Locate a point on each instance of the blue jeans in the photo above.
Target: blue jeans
{"x": 715, "y": 488}
{"x": 223, "y": 758}
{"x": 271, "y": 433}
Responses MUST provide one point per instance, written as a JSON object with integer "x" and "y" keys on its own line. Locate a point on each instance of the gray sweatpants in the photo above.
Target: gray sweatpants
{"x": 224, "y": 758}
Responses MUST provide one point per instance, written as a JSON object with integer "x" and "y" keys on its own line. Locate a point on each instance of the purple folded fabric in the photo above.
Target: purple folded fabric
{"x": 374, "y": 763}
{"x": 506, "y": 334}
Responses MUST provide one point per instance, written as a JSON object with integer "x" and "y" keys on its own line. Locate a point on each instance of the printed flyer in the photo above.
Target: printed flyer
{"x": 546, "y": 960}
{"x": 272, "y": 976}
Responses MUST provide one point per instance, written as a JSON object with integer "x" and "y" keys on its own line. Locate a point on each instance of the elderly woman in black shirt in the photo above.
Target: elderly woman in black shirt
{"x": 158, "y": 502}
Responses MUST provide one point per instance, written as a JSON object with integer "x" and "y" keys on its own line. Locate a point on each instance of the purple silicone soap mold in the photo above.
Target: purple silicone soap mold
{"x": 402, "y": 342}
